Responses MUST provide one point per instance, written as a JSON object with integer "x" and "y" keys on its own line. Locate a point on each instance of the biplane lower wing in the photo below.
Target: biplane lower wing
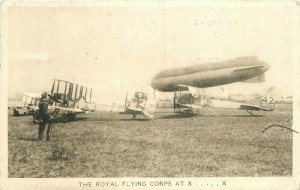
{"x": 75, "y": 110}
{"x": 188, "y": 106}
{"x": 193, "y": 106}
{"x": 254, "y": 107}
{"x": 148, "y": 115}
{"x": 136, "y": 111}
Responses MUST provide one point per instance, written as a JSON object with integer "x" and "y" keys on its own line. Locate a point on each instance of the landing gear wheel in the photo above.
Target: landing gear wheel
{"x": 66, "y": 117}
{"x": 187, "y": 113}
{"x": 71, "y": 116}
{"x": 16, "y": 113}
{"x": 190, "y": 113}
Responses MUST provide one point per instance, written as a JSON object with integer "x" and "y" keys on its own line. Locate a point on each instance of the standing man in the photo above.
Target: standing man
{"x": 44, "y": 117}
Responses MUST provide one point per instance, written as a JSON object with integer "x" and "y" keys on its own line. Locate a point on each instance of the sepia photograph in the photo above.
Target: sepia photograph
{"x": 150, "y": 91}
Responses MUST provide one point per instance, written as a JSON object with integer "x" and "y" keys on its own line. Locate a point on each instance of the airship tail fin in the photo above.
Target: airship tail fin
{"x": 256, "y": 79}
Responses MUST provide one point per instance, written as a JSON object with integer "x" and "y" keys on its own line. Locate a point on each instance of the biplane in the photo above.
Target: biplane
{"x": 139, "y": 104}
{"x": 188, "y": 101}
{"x": 68, "y": 99}
{"x": 28, "y": 105}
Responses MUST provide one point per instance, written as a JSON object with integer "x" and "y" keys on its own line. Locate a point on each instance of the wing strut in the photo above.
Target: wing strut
{"x": 126, "y": 99}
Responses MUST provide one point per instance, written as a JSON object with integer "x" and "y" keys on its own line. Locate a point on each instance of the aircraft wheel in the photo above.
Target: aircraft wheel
{"x": 188, "y": 113}
{"x": 64, "y": 119}
{"x": 71, "y": 117}
{"x": 16, "y": 113}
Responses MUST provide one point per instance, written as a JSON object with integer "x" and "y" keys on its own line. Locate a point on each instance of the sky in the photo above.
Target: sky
{"x": 119, "y": 48}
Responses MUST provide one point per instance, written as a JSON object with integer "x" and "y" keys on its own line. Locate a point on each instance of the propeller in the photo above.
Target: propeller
{"x": 54, "y": 99}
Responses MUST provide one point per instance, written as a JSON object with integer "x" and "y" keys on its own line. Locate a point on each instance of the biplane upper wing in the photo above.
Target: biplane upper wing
{"x": 140, "y": 111}
{"x": 76, "y": 110}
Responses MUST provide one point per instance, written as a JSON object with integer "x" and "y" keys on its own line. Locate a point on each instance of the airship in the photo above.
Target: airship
{"x": 246, "y": 69}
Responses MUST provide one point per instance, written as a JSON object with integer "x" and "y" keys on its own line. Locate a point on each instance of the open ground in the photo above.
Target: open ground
{"x": 217, "y": 143}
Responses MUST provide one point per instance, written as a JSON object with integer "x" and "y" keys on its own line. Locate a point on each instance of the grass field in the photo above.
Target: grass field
{"x": 218, "y": 143}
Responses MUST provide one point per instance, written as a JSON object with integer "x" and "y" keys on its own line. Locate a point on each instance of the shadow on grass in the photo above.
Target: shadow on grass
{"x": 83, "y": 119}
{"x": 55, "y": 158}
{"x": 58, "y": 120}
{"x": 182, "y": 116}
{"x": 177, "y": 116}
{"x": 129, "y": 119}
{"x": 114, "y": 119}
{"x": 28, "y": 139}
{"x": 94, "y": 119}
{"x": 231, "y": 115}
{"x": 21, "y": 115}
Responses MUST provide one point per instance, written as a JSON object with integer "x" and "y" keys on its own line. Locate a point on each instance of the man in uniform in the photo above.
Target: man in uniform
{"x": 44, "y": 117}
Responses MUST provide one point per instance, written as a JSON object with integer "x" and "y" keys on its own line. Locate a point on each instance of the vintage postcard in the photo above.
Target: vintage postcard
{"x": 150, "y": 95}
